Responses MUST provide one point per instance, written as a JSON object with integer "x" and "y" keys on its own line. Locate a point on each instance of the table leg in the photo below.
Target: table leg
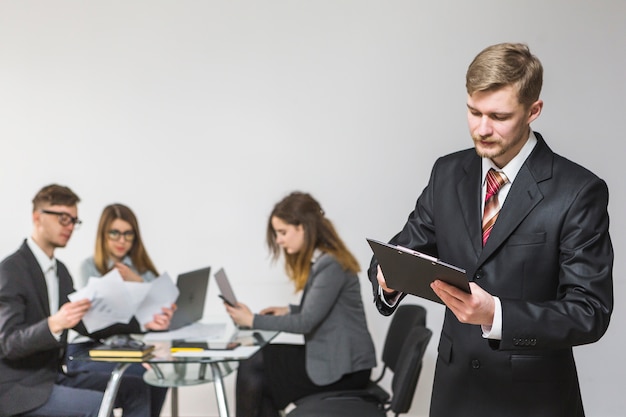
{"x": 174, "y": 400}
{"x": 220, "y": 392}
{"x": 106, "y": 407}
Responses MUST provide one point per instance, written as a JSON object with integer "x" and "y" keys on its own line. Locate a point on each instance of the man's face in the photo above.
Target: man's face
{"x": 49, "y": 232}
{"x": 499, "y": 123}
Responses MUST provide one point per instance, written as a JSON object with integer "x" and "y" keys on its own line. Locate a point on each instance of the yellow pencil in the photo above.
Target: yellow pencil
{"x": 186, "y": 349}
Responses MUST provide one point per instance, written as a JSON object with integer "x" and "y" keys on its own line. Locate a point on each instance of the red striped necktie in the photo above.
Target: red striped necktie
{"x": 495, "y": 180}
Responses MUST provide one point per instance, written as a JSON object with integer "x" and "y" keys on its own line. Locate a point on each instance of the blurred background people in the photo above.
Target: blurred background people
{"x": 35, "y": 316}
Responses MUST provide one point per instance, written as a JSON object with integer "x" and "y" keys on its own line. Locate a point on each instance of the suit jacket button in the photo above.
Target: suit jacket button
{"x": 478, "y": 274}
{"x": 515, "y": 341}
{"x": 533, "y": 342}
{"x": 475, "y": 363}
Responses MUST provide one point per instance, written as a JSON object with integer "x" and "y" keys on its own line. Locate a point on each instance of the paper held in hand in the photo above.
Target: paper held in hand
{"x": 114, "y": 300}
{"x": 412, "y": 272}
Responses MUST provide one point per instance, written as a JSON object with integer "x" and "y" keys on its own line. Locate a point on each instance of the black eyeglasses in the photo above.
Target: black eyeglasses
{"x": 65, "y": 219}
{"x": 123, "y": 341}
{"x": 115, "y": 234}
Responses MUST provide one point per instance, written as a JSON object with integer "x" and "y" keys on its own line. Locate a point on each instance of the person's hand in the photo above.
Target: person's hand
{"x": 240, "y": 314}
{"x": 475, "y": 308}
{"x": 276, "y": 311}
{"x": 127, "y": 273}
{"x": 381, "y": 281}
{"x": 161, "y": 321}
{"x": 69, "y": 315}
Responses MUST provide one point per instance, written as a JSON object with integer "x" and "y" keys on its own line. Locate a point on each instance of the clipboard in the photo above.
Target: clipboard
{"x": 412, "y": 272}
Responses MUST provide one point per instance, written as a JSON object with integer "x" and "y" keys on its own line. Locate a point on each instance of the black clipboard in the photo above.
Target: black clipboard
{"x": 412, "y": 272}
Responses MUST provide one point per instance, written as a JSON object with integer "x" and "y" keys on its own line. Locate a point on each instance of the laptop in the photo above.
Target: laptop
{"x": 412, "y": 272}
{"x": 190, "y": 302}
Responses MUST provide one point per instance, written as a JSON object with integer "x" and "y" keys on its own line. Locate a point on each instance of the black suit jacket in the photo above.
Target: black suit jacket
{"x": 549, "y": 259}
{"x": 30, "y": 357}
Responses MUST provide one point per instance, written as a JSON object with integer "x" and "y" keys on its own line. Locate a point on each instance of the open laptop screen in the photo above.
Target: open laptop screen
{"x": 190, "y": 303}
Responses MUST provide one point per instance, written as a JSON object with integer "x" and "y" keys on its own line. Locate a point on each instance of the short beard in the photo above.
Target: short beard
{"x": 489, "y": 155}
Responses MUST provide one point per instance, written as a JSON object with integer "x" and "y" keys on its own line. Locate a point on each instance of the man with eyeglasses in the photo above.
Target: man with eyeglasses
{"x": 35, "y": 315}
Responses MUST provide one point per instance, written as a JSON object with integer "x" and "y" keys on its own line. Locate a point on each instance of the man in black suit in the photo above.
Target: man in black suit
{"x": 541, "y": 274}
{"x": 35, "y": 315}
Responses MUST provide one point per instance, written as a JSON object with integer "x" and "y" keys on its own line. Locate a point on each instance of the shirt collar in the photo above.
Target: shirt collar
{"x": 513, "y": 167}
{"x": 45, "y": 263}
{"x": 126, "y": 261}
{"x": 317, "y": 253}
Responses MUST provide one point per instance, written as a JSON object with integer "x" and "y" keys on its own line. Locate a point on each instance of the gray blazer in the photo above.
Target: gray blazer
{"x": 332, "y": 319}
{"x": 30, "y": 357}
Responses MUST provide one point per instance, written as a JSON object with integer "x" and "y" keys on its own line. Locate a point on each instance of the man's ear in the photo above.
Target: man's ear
{"x": 535, "y": 110}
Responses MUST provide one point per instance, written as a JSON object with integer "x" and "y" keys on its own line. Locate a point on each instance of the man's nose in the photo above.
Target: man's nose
{"x": 484, "y": 127}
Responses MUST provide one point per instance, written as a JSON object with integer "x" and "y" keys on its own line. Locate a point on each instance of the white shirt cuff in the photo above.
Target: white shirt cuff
{"x": 389, "y": 303}
{"x": 495, "y": 330}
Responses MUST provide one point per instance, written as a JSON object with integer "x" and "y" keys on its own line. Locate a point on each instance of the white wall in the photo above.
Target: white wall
{"x": 201, "y": 114}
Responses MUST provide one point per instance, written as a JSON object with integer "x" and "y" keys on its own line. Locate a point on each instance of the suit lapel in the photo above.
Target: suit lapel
{"x": 39, "y": 281}
{"x": 468, "y": 193}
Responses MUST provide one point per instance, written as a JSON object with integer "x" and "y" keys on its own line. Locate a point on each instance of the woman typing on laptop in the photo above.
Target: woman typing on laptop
{"x": 338, "y": 352}
{"x": 119, "y": 246}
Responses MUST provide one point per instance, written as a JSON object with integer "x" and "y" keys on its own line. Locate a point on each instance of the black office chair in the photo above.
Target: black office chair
{"x": 365, "y": 403}
{"x": 404, "y": 320}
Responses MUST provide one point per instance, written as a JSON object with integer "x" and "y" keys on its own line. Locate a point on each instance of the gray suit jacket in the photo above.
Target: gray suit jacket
{"x": 30, "y": 357}
{"x": 549, "y": 259}
{"x": 332, "y": 320}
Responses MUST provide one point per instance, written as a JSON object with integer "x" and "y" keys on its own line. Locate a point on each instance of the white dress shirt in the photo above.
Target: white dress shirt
{"x": 510, "y": 170}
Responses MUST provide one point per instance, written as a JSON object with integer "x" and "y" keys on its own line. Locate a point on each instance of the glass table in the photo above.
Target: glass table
{"x": 185, "y": 368}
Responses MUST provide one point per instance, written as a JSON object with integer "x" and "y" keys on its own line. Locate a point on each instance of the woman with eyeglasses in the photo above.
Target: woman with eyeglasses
{"x": 119, "y": 246}
{"x": 338, "y": 352}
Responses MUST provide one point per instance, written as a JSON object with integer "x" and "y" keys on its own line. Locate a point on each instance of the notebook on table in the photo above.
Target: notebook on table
{"x": 412, "y": 272}
{"x": 190, "y": 302}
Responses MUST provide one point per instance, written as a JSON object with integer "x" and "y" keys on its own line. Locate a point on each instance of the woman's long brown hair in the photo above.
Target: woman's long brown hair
{"x": 319, "y": 233}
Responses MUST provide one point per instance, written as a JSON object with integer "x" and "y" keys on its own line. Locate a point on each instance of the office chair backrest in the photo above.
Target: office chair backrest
{"x": 374, "y": 401}
{"x": 405, "y": 318}
{"x": 408, "y": 369}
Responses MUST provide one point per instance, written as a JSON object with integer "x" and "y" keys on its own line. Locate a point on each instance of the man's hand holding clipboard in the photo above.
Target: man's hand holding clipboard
{"x": 412, "y": 272}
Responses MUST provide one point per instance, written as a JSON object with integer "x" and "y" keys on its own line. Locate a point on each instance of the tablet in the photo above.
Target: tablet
{"x": 226, "y": 291}
{"x": 412, "y": 272}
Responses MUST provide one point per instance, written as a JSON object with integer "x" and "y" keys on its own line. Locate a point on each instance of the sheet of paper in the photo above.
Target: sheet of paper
{"x": 162, "y": 292}
{"x": 242, "y": 352}
{"x": 137, "y": 291}
{"x": 195, "y": 331}
{"x": 114, "y": 300}
{"x": 110, "y": 302}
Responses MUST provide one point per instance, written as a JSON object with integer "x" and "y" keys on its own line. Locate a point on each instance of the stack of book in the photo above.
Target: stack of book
{"x": 106, "y": 352}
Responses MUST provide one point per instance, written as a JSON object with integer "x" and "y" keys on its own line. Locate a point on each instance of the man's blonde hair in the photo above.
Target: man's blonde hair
{"x": 506, "y": 64}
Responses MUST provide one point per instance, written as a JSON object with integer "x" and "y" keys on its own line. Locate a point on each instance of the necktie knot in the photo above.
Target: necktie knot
{"x": 495, "y": 180}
